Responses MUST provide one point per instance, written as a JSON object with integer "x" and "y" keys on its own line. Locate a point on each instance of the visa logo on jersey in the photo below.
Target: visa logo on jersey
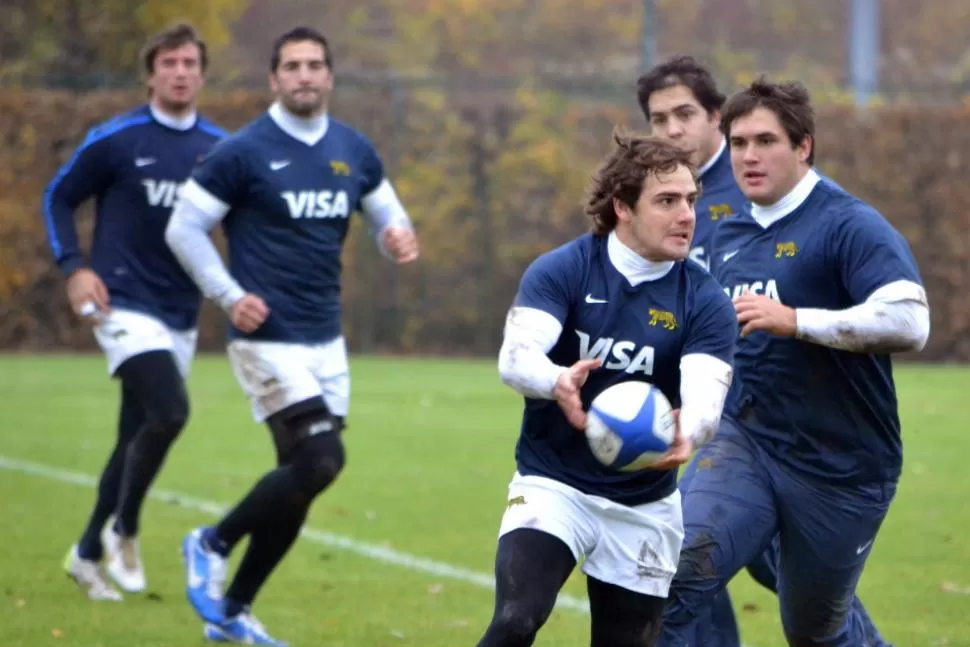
{"x": 317, "y": 204}
{"x": 768, "y": 288}
{"x": 622, "y": 355}
{"x": 162, "y": 193}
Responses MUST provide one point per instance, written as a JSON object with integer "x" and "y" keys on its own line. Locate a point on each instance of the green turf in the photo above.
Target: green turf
{"x": 430, "y": 455}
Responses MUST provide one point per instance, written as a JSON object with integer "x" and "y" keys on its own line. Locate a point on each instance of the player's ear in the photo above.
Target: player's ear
{"x": 274, "y": 83}
{"x": 715, "y": 118}
{"x": 804, "y": 149}
{"x": 622, "y": 210}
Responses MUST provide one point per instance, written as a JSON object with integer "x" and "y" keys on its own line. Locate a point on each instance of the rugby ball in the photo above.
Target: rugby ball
{"x": 629, "y": 426}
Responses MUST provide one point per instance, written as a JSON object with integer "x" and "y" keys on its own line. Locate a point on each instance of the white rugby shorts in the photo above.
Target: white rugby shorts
{"x": 633, "y": 547}
{"x": 122, "y": 334}
{"x": 275, "y": 375}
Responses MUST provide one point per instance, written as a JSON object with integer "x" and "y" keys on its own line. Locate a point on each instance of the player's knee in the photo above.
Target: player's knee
{"x": 317, "y": 461}
{"x": 698, "y": 561}
{"x": 518, "y": 622}
{"x": 294, "y": 424}
{"x": 695, "y": 584}
{"x": 170, "y": 419}
{"x": 810, "y": 621}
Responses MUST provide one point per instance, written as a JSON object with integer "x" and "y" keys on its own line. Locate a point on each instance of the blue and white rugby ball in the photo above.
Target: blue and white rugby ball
{"x": 629, "y": 426}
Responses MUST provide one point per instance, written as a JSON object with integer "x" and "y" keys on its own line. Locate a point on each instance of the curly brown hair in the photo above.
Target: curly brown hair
{"x": 624, "y": 171}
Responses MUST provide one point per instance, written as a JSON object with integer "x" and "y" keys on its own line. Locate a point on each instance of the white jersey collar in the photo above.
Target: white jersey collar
{"x": 714, "y": 158}
{"x": 767, "y": 216}
{"x": 631, "y": 265}
{"x": 176, "y": 123}
{"x": 308, "y": 131}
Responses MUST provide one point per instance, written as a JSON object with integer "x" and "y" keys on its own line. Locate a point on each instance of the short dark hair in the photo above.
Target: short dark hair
{"x": 296, "y": 35}
{"x": 680, "y": 70}
{"x": 181, "y": 33}
{"x": 625, "y": 170}
{"x": 789, "y": 100}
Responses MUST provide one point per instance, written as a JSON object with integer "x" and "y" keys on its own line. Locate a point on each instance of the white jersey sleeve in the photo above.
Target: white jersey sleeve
{"x": 535, "y": 322}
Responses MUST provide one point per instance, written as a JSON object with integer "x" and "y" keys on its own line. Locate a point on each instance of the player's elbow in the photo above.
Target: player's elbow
{"x": 913, "y": 344}
{"x": 507, "y": 366}
{"x": 903, "y": 317}
{"x": 58, "y": 212}
{"x": 54, "y": 192}
{"x": 178, "y": 236}
{"x": 920, "y": 331}
{"x": 172, "y": 231}
{"x": 911, "y": 331}
{"x": 513, "y": 362}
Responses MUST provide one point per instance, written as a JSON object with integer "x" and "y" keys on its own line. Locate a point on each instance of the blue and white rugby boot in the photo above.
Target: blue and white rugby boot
{"x": 206, "y": 575}
{"x": 242, "y": 629}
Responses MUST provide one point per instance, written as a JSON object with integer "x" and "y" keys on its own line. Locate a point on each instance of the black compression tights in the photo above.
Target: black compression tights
{"x": 154, "y": 409}
{"x": 530, "y": 568}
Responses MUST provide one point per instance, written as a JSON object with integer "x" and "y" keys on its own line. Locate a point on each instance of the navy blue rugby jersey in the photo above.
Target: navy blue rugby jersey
{"x": 134, "y": 167}
{"x": 720, "y": 199}
{"x": 828, "y": 412}
{"x": 290, "y": 205}
{"x": 639, "y": 332}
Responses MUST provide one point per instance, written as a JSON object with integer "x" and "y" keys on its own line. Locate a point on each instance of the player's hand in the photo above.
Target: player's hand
{"x": 248, "y": 313}
{"x": 758, "y": 312}
{"x": 567, "y": 391}
{"x": 679, "y": 452}
{"x": 87, "y": 293}
{"x": 401, "y": 243}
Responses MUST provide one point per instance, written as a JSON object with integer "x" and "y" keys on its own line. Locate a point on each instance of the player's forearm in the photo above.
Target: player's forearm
{"x": 62, "y": 235}
{"x": 527, "y": 370}
{"x": 187, "y": 234}
{"x": 895, "y": 319}
{"x": 523, "y": 363}
{"x": 71, "y": 262}
{"x": 195, "y": 251}
{"x": 704, "y": 384}
{"x": 62, "y": 232}
{"x": 381, "y": 209}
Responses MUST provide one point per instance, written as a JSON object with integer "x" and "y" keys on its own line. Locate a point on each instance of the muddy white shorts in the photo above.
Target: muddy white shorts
{"x": 275, "y": 375}
{"x": 122, "y": 334}
{"x": 633, "y": 547}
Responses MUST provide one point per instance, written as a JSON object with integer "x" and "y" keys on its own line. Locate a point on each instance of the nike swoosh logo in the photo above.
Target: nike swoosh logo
{"x": 144, "y": 161}
{"x": 278, "y": 165}
{"x": 590, "y": 299}
{"x": 729, "y": 256}
{"x": 861, "y": 549}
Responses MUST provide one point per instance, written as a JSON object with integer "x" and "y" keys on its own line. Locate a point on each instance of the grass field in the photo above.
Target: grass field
{"x": 405, "y": 540}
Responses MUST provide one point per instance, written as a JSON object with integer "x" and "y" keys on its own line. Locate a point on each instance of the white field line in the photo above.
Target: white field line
{"x": 371, "y": 551}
